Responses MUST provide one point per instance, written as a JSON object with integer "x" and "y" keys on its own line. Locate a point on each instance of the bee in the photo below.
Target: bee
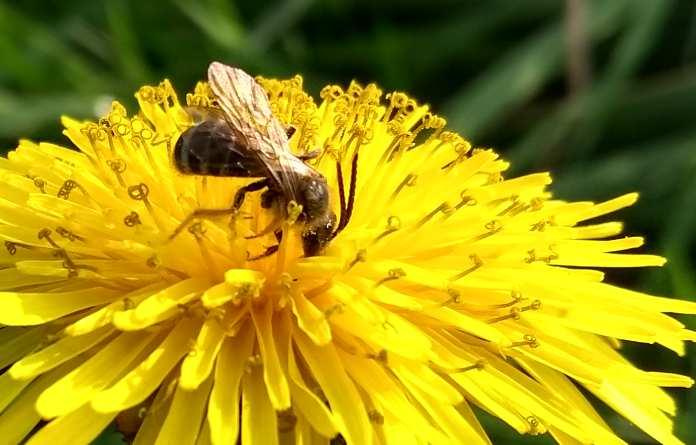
{"x": 243, "y": 139}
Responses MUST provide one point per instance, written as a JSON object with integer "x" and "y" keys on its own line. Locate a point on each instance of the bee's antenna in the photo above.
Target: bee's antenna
{"x": 346, "y": 208}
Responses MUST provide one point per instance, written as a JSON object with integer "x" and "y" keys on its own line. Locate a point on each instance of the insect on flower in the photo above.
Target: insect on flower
{"x": 243, "y": 139}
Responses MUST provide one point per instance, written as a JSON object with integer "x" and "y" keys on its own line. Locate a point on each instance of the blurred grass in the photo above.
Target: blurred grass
{"x": 496, "y": 69}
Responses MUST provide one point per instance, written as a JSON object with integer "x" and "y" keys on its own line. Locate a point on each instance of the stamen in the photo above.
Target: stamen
{"x": 445, "y": 208}
{"x": 533, "y": 425}
{"x": 376, "y": 417}
{"x": 381, "y": 356}
{"x": 65, "y": 233}
{"x": 39, "y": 183}
{"x": 45, "y": 234}
{"x": 480, "y": 364}
{"x": 337, "y": 308}
{"x": 493, "y": 227}
{"x": 393, "y": 224}
{"x": 254, "y": 361}
{"x": 394, "y": 274}
{"x": 409, "y": 180}
{"x": 11, "y": 247}
{"x": 513, "y": 315}
{"x": 455, "y": 297}
{"x": 198, "y": 231}
{"x": 132, "y": 219}
{"x": 118, "y": 166}
{"x": 140, "y": 192}
{"x": 286, "y": 421}
{"x": 515, "y": 203}
{"x": 478, "y": 262}
{"x": 67, "y": 187}
{"x": 466, "y": 200}
{"x": 360, "y": 256}
{"x": 529, "y": 340}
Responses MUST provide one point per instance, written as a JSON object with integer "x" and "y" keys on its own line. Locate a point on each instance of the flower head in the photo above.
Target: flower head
{"x": 451, "y": 287}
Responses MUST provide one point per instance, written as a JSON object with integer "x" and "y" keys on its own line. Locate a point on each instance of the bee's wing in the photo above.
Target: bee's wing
{"x": 246, "y": 107}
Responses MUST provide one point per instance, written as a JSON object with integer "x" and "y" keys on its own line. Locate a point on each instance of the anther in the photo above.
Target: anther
{"x": 287, "y": 420}
{"x": 128, "y": 304}
{"x": 528, "y": 340}
{"x": 393, "y": 224}
{"x": 381, "y": 356}
{"x": 409, "y": 180}
{"x": 118, "y": 166}
{"x": 132, "y": 219}
{"x": 360, "y": 257}
{"x": 455, "y": 297}
{"x": 492, "y": 228}
{"x": 445, "y": 208}
{"x": 477, "y": 263}
{"x": 11, "y": 247}
{"x": 466, "y": 200}
{"x": 337, "y": 308}
{"x": 533, "y": 425}
{"x": 139, "y": 192}
{"x": 253, "y": 361}
{"x": 515, "y": 203}
{"x": 197, "y": 229}
{"x": 535, "y": 305}
{"x": 393, "y": 274}
{"x": 153, "y": 262}
{"x": 40, "y": 184}
{"x": 45, "y": 234}
{"x": 67, "y": 187}
{"x": 375, "y": 417}
{"x": 65, "y": 233}
{"x": 513, "y": 315}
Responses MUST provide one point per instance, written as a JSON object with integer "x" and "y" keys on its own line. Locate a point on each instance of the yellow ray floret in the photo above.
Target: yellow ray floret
{"x": 452, "y": 289}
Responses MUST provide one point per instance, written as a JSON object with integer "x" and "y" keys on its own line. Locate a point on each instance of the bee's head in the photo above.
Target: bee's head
{"x": 318, "y": 233}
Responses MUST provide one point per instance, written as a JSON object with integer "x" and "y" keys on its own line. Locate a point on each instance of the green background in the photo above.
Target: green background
{"x": 617, "y": 117}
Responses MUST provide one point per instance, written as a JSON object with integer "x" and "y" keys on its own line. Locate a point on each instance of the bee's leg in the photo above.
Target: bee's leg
{"x": 279, "y": 235}
{"x": 200, "y": 213}
{"x": 309, "y": 155}
{"x": 290, "y": 131}
{"x": 271, "y": 227}
{"x": 253, "y": 187}
{"x": 268, "y": 252}
{"x": 212, "y": 213}
{"x": 346, "y": 208}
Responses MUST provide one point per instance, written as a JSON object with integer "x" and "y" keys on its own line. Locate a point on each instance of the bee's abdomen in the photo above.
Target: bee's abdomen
{"x": 212, "y": 148}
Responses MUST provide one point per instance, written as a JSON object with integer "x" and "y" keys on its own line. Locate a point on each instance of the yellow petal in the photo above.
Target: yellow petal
{"x": 147, "y": 376}
{"x": 259, "y": 421}
{"x": 273, "y": 374}
{"x": 97, "y": 372}
{"x": 346, "y": 404}
{"x": 80, "y": 426}
{"x": 198, "y": 364}
{"x": 57, "y": 353}
{"x": 27, "y": 308}
{"x": 21, "y": 416}
{"x": 185, "y": 415}
{"x": 10, "y": 389}
{"x": 160, "y": 306}
{"x": 15, "y": 343}
{"x": 223, "y": 407}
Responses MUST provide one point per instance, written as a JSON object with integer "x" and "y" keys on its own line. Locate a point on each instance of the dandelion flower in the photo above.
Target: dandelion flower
{"x": 452, "y": 288}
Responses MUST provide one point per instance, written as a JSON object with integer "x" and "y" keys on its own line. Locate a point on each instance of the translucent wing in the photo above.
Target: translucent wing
{"x": 246, "y": 108}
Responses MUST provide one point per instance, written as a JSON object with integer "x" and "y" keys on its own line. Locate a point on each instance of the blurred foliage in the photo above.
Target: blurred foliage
{"x": 497, "y": 69}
